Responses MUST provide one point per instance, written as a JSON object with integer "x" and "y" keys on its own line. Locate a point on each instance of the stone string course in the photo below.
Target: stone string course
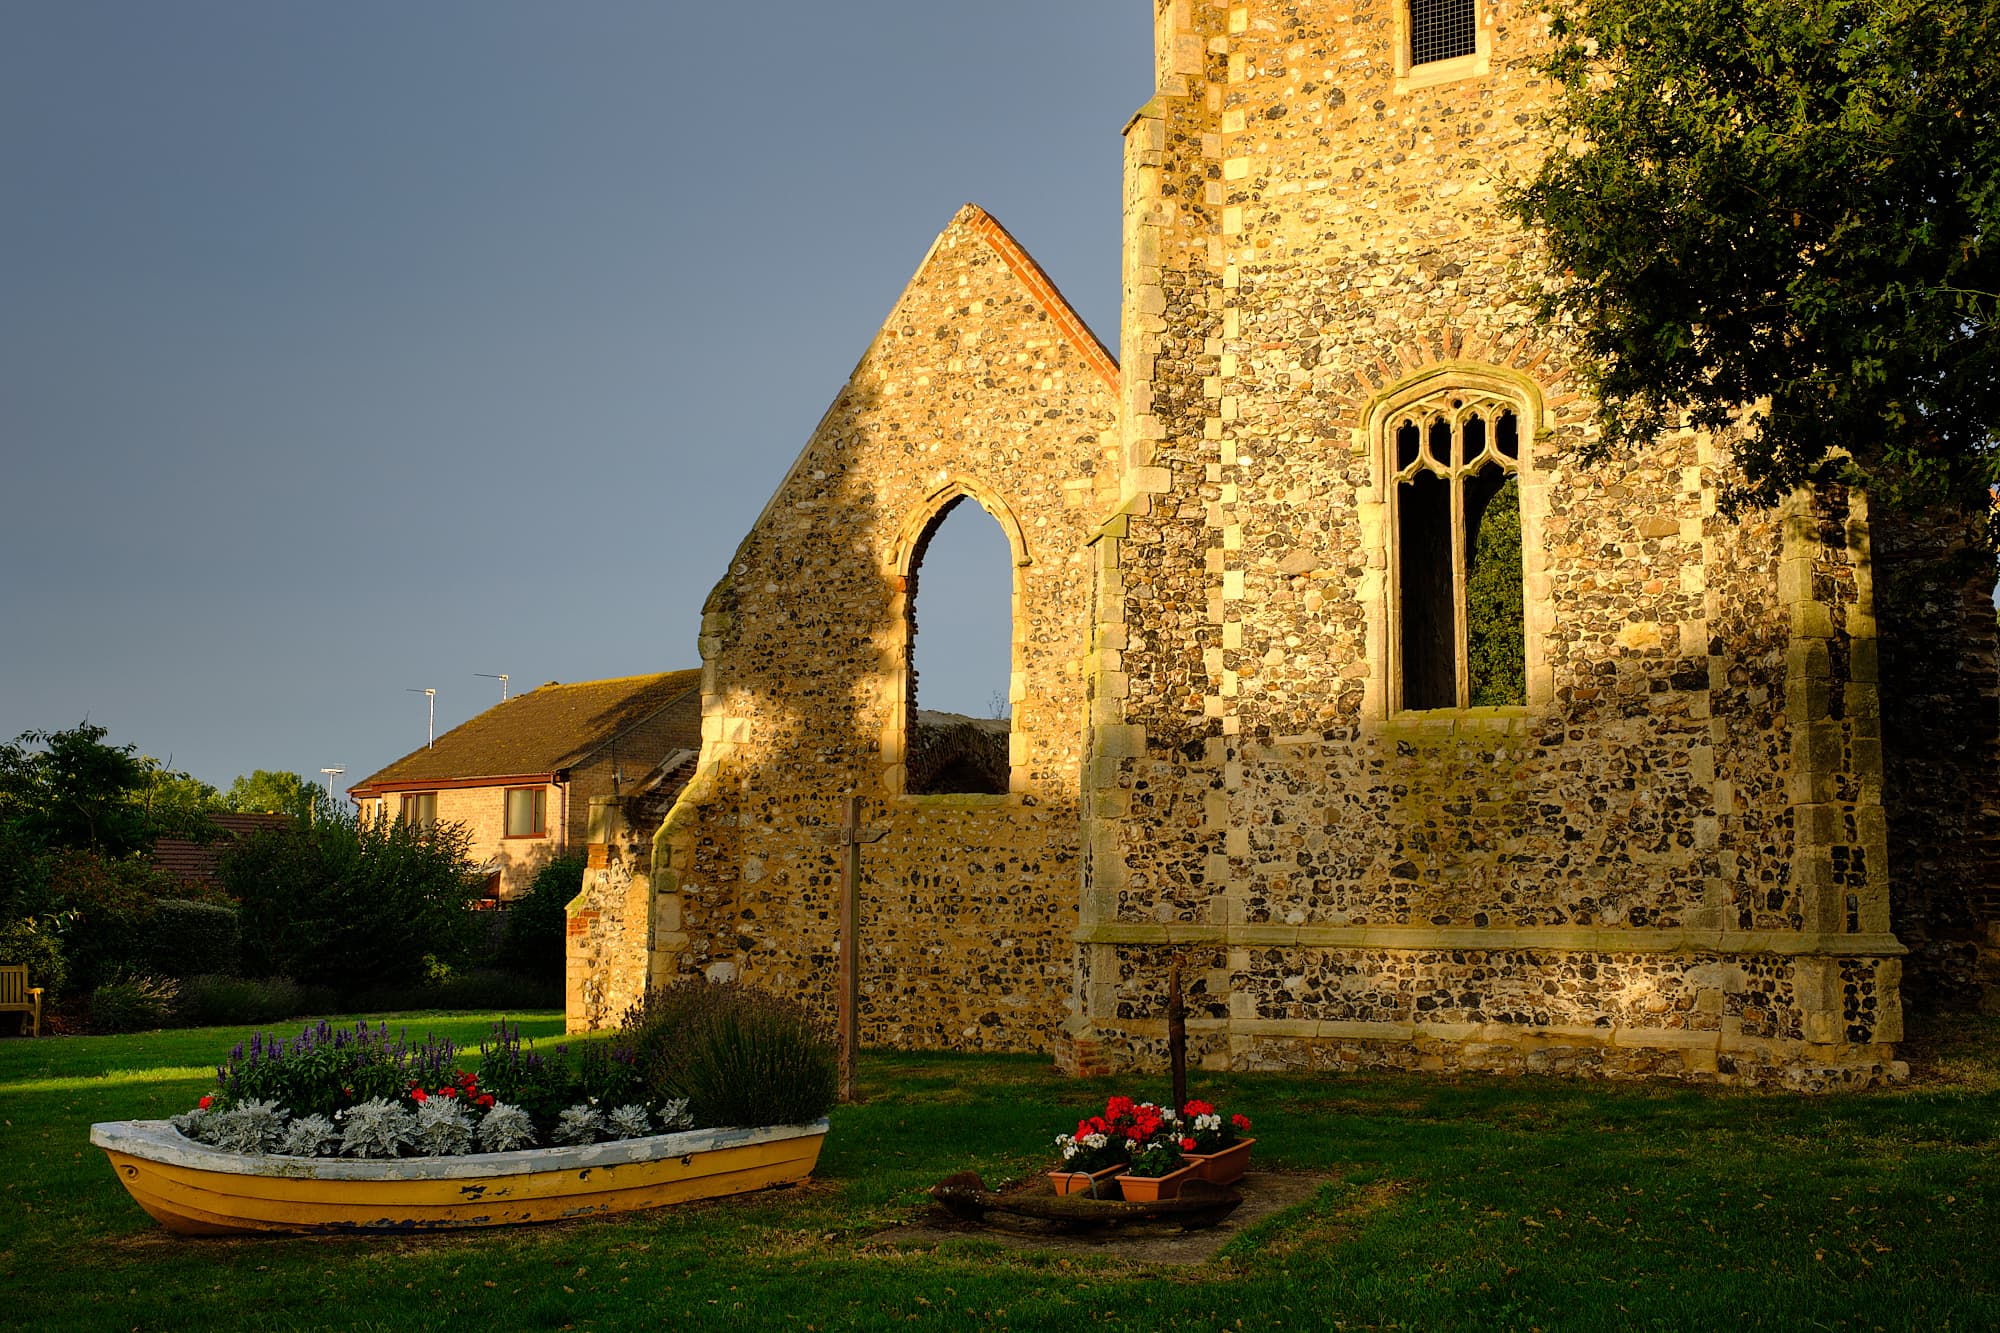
{"x": 1684, "y": 856}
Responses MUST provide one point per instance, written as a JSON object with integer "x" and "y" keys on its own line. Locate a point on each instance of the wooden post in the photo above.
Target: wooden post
{"x": 849, "y": 836}
{"x": 1177, "y": 1032}
{"x": 850, "y": 944}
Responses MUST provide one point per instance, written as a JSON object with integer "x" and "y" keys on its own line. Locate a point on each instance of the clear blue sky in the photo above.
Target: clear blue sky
{"x": 352, "y": 348}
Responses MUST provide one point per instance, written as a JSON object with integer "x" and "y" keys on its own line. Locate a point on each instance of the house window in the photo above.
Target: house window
{"x": 527, "y": 812}
{"x": 1441, "y": 30}
{"x": 1457, "y": 628}
{"x": 420, "y": 808}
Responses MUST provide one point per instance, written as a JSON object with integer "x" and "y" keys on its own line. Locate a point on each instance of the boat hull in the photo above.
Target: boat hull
{"x": 197, "y": 1190}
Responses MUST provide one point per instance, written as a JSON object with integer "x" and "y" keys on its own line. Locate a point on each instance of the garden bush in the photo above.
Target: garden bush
{"x": 536, "y": 939}
{"x": 471, "y": 989}
{"x": 349, "y": 904}
{"x": 223, "y": 1001}
{"x": 189, "y": 938}
{"x": 135, "y": 1003}
{"x": 35, "y": 941}
{"x": 736, "y": 1054}
{"x": 115, "y": 904}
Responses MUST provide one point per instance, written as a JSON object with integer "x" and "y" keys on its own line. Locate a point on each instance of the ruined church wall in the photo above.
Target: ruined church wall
{"x": 981, "y": 384}
{"x": 1450, "y": 880}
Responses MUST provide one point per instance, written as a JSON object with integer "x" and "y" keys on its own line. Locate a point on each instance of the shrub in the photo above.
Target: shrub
{"x": 115, "y": 902}
{"x": 188, "y": 938}
{"x": 473, "y": 989}
{"x": 351, "y": 905}
{"x": 34, "y": 940}
{"x": 536, "y": 940}
{"x": 132, "y": 1004}
{"x": 738, "y": 1055}
{"x": 220, "y": 1001}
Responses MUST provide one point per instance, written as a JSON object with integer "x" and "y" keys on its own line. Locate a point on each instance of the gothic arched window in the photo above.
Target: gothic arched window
{"x": 1456, "y": 627}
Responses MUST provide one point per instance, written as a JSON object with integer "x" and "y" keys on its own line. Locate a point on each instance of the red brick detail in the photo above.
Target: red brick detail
{"x": 1095, "y": 354}
{"x": 600, "y": 855}
{"x": 581, "y": 923}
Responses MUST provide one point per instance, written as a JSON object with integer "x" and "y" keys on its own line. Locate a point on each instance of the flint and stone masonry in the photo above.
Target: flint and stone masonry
{"x": 1686, "y": 844}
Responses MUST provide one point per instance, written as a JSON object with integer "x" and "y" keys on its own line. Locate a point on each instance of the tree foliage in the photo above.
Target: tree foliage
{"x": 68, "y": 789}
{"x": 1784, "y": 205}
{"x": 268, "y": 791}
{"x": 348, "y": 903}
{"x": 537, "y": 933}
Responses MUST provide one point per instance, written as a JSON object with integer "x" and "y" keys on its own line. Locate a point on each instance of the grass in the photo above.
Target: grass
{"x": 1452, "y": 1203}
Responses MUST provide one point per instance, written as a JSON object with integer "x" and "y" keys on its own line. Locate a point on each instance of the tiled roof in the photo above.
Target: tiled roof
{"x": 542, "y": 731}
{"x": 195, "y": 862}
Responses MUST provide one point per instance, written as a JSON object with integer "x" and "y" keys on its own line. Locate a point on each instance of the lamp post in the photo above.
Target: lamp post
{"x": 331, "y": 774}
{"x": 430, "y": 729}
{"x": 502, "y": 678}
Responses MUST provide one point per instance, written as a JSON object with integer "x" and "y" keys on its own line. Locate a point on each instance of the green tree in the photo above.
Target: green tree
{"x": 70, "y": 789}
{"x": 351, "y": 904}
{"x": 536, "y": 943}
{"x": 1496, "y": 638}
{"x": 1785, "y": 204}
{"x": 265, "y": 791}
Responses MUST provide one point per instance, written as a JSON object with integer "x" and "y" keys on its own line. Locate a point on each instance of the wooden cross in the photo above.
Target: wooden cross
{"x": 849, "y": 837}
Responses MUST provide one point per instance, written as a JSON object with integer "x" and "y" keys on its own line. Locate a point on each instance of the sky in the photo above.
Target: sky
{"x": 348, "y": 350}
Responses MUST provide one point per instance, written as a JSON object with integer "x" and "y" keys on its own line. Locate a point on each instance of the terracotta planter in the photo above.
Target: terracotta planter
{"x": 1148, "y": 1189}
{"x": 1100, "y": 1184}
{"x": 1225, "y": 1167}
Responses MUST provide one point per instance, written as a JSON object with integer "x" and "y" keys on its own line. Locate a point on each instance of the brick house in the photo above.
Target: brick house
{"x": 520, "y": 777}
{"x": 196, "y": 863}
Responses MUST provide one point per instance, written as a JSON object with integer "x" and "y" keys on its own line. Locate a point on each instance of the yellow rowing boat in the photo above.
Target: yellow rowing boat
{"x": 197, "y": 1190}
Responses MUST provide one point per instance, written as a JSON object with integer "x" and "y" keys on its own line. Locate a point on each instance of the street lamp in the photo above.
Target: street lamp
{"x": 430, "y": 731}
{"x": 331, "y": 774}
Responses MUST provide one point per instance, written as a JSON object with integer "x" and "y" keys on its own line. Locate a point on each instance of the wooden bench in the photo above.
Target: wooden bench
{"x": 18, "y": 997}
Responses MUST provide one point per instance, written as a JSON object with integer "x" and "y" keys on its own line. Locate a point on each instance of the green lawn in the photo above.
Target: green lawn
{"x": 1455, "y": 1204}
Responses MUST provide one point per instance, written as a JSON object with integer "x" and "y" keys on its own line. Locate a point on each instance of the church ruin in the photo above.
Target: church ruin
{"x": 1332, "y": 671}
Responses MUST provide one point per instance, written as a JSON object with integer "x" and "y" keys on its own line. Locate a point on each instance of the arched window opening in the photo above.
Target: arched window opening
{"x": 961, "y": 636}
{"x": 1461, "y": 640}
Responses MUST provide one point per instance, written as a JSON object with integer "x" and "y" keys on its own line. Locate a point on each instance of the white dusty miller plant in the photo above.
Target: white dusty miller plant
{"x": 506, "y": 1129}
{"x": 581, "y": 1124}
{"x": 630, "y": 1122}
{"x": 443, "y": 1128}
{"x": 376, "y": 1128}
{"x": 675, "y": 1115}
{"x": 198, "y": 1124}
{"x": 310, "y": 1136}
{"x": 254, "y": 1127}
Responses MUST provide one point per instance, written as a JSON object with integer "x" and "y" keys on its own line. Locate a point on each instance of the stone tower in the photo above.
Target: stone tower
{"x": 1333, "y": 672}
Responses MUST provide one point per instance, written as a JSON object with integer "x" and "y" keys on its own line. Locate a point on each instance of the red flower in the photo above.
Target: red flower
{"x": 486, "y": 1099}
{"x": 1242, "y": 1122}
{"x": 1187, "y": 1145}
{"x": 418, "y": 1095}
{"x": 1197, "y": 1107}
{"x": 204, "y": 1102}
{"x": 447, "y": 1092}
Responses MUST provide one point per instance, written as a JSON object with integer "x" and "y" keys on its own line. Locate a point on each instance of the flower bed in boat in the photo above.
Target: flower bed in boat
{"x": 196, "y": 1189}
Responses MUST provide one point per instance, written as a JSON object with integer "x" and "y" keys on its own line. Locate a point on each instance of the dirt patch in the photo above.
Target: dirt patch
{"x": 1265, "y": 1194}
